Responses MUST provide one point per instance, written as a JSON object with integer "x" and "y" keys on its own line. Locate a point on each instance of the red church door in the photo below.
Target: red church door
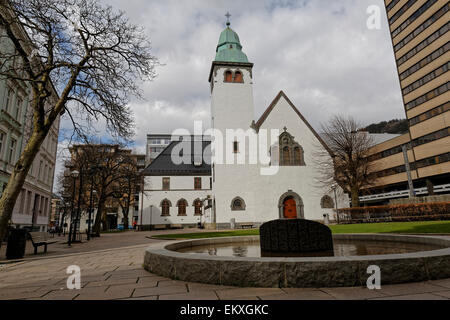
{"x": 290, "y": 209}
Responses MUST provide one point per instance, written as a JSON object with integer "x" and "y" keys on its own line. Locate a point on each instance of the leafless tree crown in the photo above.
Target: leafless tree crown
{"x": 91, "y": 54}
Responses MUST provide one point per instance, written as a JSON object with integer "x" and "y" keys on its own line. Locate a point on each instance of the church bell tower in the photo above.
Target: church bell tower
{"x": 232, "y": 108}
{"x": 231, "y": 84}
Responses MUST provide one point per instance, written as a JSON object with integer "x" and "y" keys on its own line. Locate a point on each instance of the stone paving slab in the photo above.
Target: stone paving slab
{"x": 418, "y": 296}
{"x": 299, "y": 294}
{"x": 356, "y": 293}
{"x": 118, "y": 274}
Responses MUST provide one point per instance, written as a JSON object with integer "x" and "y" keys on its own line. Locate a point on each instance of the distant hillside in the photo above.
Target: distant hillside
{"x": 396, "y": 126}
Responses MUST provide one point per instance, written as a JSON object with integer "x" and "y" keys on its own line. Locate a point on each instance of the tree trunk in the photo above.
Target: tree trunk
{"x": 355, "y": 197}
{"x": 105, "y": 222}
{"x": 17, "y": 179}
{"x": 125, "y": 218}
{"x": 98, "y": 216}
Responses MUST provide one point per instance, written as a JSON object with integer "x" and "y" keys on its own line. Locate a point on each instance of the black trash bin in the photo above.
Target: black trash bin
{"x": 17, "y": 241}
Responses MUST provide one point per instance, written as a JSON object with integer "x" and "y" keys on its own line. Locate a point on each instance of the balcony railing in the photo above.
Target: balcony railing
{"x": 403, "y": 193}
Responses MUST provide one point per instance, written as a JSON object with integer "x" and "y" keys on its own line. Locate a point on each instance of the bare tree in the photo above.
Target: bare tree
{"x": 112, "y": 173}
{"x": 126, "y": 187}
{"x": 78, "y": 57}
{"x": 348, "y": 166}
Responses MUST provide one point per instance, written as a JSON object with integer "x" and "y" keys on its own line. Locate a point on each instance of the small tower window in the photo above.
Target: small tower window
{"x": 235, "y": 147}
{"x": 228, "y": 76}
{"x": 238, "y": 77}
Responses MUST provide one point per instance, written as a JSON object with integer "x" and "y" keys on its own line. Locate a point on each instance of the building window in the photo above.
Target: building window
{"x": 423, "y": 44}
{"x": 238, "y": 77}
{"x": 198, "y": 207}
{"x": 235, "y": 147}
{"x": 425, "y": 61}
{"x": 2, "y": 142}
{"x": 18, "y": 108}
{"x": 228, "y": 76}
{"x": 165, "y": 208}
{"x": 326, "y": 202}
{"x": 413, "y": 17}
{"x": 238, "y": 204}
{"x": 166, "y": 184}
{"x": 198, "y": 183}
{"x": 182, "y": 204}
{"x": 9, "y": 98}
{"x": 286, "y": 157}
{"x": 291, "y": 153}
{"x": 12, "y": 151}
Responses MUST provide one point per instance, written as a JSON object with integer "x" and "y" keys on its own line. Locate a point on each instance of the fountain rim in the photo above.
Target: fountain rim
{"x": 169, "y": 249}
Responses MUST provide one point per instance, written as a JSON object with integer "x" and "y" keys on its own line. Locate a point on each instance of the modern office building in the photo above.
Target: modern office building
{"x": 156, "y": 143}
{"x": 421, "y": 43}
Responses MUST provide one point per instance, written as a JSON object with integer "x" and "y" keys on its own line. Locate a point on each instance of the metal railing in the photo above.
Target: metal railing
{"x": 404, "y": 193}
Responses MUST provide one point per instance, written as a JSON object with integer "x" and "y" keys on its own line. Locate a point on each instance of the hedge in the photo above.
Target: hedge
{"x": 400, "y": 212}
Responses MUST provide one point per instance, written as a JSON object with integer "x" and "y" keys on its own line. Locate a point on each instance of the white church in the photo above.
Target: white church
{"x": 236, "y": 188}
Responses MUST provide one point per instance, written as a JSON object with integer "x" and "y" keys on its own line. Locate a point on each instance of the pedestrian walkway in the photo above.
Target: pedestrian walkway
{"x": 105, "y": 241}
{"x": 118, "y": 274}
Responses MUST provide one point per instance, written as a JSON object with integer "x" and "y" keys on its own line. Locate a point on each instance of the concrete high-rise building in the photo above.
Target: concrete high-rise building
{"x": 156, "y": 143}
{"x": 421, "y": 43}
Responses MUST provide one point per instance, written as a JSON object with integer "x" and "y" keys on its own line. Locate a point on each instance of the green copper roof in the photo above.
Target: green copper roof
{"x": 229, "y": 48}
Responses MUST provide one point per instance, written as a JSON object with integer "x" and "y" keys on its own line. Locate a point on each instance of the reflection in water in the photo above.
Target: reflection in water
{"x": 341, "y": 248}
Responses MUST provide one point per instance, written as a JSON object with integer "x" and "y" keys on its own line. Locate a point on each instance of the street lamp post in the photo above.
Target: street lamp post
{"x": 91, "y": 208}
{"x": 92, "y": 172}
{"x": 74, "y": 174}
{"x": 334, "y": 187}
{"x": 77, "y": 220}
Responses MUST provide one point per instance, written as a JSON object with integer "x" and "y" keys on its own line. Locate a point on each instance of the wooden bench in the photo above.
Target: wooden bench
{"x": 246, "y": 225}
{"x": 39, "y": 239}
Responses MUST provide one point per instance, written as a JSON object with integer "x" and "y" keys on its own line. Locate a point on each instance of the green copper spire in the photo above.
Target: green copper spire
{"x": 229, "y": 48}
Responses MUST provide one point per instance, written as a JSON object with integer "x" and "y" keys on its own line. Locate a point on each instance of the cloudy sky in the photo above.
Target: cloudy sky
{"x": 319, "y": 52}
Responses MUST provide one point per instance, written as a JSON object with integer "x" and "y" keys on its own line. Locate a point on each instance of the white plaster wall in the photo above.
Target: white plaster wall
{"x": 231, "y": 103}
{"x": 181, "y": 187}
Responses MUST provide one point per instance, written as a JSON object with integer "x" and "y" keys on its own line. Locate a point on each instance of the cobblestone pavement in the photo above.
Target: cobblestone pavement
{"x": 118, "y": 274}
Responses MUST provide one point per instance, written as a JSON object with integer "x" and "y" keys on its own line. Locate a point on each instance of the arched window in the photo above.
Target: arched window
{"x": 238, "y": 77}
{"x": 165, "y": 208}
{"x": 198, "y": 207}
{"x": 238, "y": 204}
{"x": 291, "y": 153}
{"x": 228, "y": 76}
{"x": 286, "y": 157}
{"x": 182, "y": 204}
{"x": 298, "y": 156}
{"x": 327, "y": 202}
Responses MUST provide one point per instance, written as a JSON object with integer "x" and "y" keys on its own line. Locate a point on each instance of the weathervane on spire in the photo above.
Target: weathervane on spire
{"x": 228, "y": 15}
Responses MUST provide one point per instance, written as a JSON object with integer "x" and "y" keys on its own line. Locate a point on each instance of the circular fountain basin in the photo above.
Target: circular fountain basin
{"x": 236, "y": 261}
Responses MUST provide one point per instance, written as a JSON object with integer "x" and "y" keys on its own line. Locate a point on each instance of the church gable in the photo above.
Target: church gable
{"x": 278, "y": 112}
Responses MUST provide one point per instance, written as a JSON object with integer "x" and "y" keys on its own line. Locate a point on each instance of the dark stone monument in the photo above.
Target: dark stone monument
{"x": 295, "y": 237}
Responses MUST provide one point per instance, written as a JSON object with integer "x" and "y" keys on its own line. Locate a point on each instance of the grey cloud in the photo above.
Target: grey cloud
{"x": 319, "y": 52}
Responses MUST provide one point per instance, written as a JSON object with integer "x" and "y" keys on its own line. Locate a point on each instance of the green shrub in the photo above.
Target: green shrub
{"x": 400, "y": 212}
